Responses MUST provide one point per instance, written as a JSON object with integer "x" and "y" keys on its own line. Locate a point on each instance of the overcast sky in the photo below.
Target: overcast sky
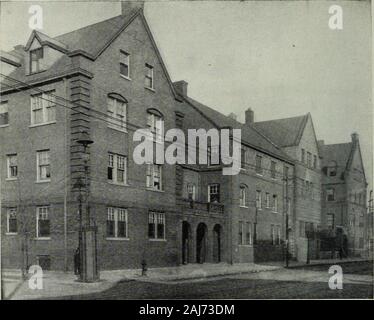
{"x": 279, "y": 58}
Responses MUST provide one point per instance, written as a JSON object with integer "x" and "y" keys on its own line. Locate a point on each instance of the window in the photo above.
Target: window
{"x": 154, "y": 176}
{"x": 156, "y": 225}
{"x": 258, "y": 164}
{"x": 275, "y": 203}
{"x": 330, "y": 195}
{"x": 117, "y": 109}
{"x": 43, "y": 108}
{"x": 213, "y": 155}
{"x": 12, "y": 166}
{"x": 272, "y": 234}
{"x": 12, "y": 220}
{"x": 149, "y": 76}
{"x": 285, "y": 172}
{"x": 116, "y": 223}
{"x": 331, "y": 169}
{"x": 314, "y": 161}
{"x": 240, "y": 233}
{"x": 243, "y": 158}
{"x": 191, "y": 192}
{"x": 43, "y": 166}
{"x": 258, "y": 199}
{"x": 36, "y": 57}
{"x": 213, "y": 193}
{"x": 248, "y": 235}
{"x": 361, "y": 243}
{"x": 117, "y": 168}
{"x": 42, "y": 222}
{"x": 273, "y": 169}
{"x": 278, "y": 240}
{"x": 302, "y": 229}
{"x": 4, "y": 115}
{"x": 242, "y": 196}
{"x": 124, "y": 64}
{"x": 267, "y": 200}
{"x": 156, "y": 125}
{"x": 309, "y": 160}
{"x": 303, "y": 155}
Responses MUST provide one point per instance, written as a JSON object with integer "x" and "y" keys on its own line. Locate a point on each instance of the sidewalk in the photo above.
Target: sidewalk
{"x": 321, "y": 262}
{"x": 58, "y": 284}
{"x": 11, "y": 280}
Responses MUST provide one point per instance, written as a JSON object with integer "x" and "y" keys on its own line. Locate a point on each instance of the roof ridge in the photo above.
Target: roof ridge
{"x": 288, "y": 118}
{"x": 90, "y": 25}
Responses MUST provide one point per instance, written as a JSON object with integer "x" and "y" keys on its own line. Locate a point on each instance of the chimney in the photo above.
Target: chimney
{"x": 249, "y": 116}
{"x": 233, "y": 116}
{"x": 354, "y": 137}
{"x": 130, "y": 7}
{"x": 181, "y": 87}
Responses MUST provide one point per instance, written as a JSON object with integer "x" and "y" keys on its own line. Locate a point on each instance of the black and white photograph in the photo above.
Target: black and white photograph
{"x": 186, "y": 151}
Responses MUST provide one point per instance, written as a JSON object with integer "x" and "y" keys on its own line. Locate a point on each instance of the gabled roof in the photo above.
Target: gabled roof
{"x": 283, "y": 132}
{"x": 250, "y": 135}
{"x": 45, "y": 40}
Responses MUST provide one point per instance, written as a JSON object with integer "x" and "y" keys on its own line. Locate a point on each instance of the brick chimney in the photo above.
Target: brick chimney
{"x": 249, "y": 116}
{"x": 130, "y": 7}
{"x": 355, "y": 138}
{"x": 181, "y": 87}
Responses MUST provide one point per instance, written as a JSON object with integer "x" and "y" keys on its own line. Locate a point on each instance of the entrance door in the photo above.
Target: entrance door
{"x": 201, "y": 239}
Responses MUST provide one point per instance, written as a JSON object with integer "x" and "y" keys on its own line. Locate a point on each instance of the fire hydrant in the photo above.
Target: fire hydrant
{"x": 144, "y": 268}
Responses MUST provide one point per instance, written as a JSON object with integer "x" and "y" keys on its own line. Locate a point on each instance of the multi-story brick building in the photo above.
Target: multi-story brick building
{"x": 108, "y": 79}
{"x": 297, "y": 138}
{"x": 344, "y": 193}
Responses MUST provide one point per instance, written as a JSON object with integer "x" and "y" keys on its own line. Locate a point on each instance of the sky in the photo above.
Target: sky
{"x": 279, "y": 58}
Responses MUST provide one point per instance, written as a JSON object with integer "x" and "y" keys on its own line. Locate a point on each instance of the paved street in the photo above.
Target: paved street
{"x": 311, "y": 282}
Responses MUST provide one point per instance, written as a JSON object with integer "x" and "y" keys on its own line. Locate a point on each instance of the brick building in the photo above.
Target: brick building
{"x": 108, "y": 79}
{"x": 344, "y": 193}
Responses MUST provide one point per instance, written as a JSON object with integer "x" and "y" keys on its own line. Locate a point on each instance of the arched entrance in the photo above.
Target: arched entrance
{"x": 186, "y": 239}
{"x": 201, "y": 243}
{"x": 217, "y": 243}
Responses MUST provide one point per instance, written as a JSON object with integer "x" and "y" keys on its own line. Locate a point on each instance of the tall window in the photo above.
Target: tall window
{"x": 248, "y": 235}
{"x": 242, "y": 196}
{"x": 275, "y": 203}
{"x": 116, "y": 224}
{"x": 330, "y": 194}
{"x": 154, "y": 176}
{"x": 286, "y": 172}
{"x": 330, "y": 220}
{"x": 258, "y": 199}
{"x": 4, "y": 115}
{"x": 124, "y": 64}
{"x": 243, "y": 158}
{"x": 278, "y": 239}
{"x": 273, "y": 169}
{"x": 240, "y": 233}
{"x": 43, "y": 166}
{"x": 42, "y": 222}
{"x": 155, "y": 124}
{"x": 213, "y": 155}
{"x": 117, "y": 168}
{"x": 303, "y": 155}
{"x": 117, "y": 110}
{"x": 272, "y": 234}
{"x": 267, "y": 200}
{"x": 302, "y": 229}
{"x": 191, "y": 192}
{"x": 309, "y": 159}
{"x": 314, "y": 161}
{"x": 12, "y": 166}
{"x": 213, "y": 193}
{"x": 258, "y": 164}
{"x": 156, "y": 225}
{"x": 36, "y": 57}
{"x": 43, "y": 108}
{"x": 12, "y": 220}
{"x": 149, "y": 76}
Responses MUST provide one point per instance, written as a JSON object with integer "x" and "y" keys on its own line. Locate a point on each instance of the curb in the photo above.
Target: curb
{"x": 318, "y": 264}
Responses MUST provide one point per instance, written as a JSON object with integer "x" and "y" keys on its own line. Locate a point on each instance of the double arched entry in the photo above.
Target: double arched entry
{"x": 199, "y": 246}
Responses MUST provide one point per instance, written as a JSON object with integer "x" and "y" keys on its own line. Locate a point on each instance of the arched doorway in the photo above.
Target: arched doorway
{"x": 201, "y": 240}
{"x": 186, "y": 239}
{"x": 217, "y": 243}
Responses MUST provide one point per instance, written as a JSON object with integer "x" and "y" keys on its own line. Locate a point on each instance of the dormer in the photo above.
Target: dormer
{"x": 41, "y": 52}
